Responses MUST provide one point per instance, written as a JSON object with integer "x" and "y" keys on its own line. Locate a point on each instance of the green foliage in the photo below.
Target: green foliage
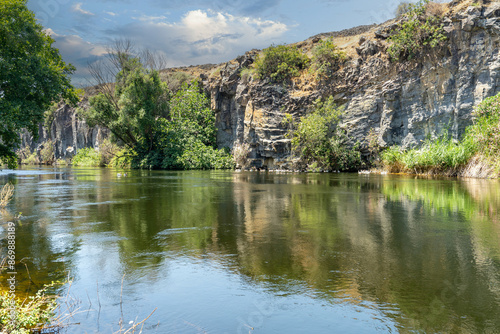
{"x": 188, "y": 138}
{"x": 123, "y": 158}
{"x": 437, "y": 155}
{"x": 327, "y": 58}
{"x": 32, "y": 75}
{"x": 418, "y": 29}
{"x": 130, "y": 113}
{"x": 159, "y": 131}
{"x": 87, "y": 157}
{"x": 320, "y": 143}
{"x": 485, "y": 132}
{"x": 280, "y": 63}
{"x": 247, "y": 73}
{"x": 32, "y": 314}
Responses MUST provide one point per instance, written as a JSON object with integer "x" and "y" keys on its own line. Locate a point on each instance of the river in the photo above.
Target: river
{"x": 228, "y": 252}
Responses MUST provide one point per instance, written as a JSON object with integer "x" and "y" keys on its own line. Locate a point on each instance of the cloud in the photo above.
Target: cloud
{"x": 77, "y": 8}
{"x": 78, "y": 52}
{"x": 111, "y": 13}
{"x": 202, "y": 36}
{"x": 199, "y": 37}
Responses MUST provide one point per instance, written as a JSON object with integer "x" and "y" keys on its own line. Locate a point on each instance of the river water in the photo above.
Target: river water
{"x": 228, "y": 252}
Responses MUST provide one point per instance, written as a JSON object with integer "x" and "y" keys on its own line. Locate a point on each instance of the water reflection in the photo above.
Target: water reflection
{"x": 404, "y": 253}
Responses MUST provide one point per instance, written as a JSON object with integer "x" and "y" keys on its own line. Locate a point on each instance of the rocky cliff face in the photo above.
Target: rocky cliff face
{"x": 402, "y": 102}
{"x": 67, "y": 133}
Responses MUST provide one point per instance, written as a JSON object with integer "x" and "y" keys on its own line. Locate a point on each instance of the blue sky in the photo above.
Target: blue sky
{"x": 191, "y": 32}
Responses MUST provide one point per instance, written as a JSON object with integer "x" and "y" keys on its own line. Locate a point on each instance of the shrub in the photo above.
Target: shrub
{"x": 175, "y": 80}
{"x": 280, "y": 63}
{"x": 403, "y": 8}
{"x": 418, "y": 29}
{"x": 327, "y": 58}
{"x": 320, "y": 143}
{"x": 485, "y": 132}
{"x": 247, "y": 74}
{"x": 87, "y": 157}
{"x": 107, "y": 151}
{"x": 32, "y": 315}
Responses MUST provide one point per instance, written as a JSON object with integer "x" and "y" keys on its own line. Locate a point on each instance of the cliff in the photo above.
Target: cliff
{"x": 403, "y": 102}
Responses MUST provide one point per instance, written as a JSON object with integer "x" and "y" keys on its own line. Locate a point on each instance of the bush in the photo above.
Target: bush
{"x": 280, "y": 63}
{"x": 485, "y": 132}
{"x": 418, "y": 29}
{"x": 187, "y": 140}
{"x": 175, "y": 80}
{"x": 327, "y": 58}
{"x": 319, "y": 143}
{"x": 87, "y": 157}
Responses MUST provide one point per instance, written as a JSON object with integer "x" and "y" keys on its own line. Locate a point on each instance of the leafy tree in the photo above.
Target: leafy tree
{"x": 131, "y": 111}
{"x": 189, "y": 136}
{"x": 32, "y": 75}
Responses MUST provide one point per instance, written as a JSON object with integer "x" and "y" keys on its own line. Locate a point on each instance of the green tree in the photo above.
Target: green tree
{"x": 32, "y": 75}
{"x": 132, "y": 109}
{"x": 189, "y": 136}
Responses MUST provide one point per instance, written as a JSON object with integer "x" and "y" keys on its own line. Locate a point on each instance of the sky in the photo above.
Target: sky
{"x": 194, "y": 32}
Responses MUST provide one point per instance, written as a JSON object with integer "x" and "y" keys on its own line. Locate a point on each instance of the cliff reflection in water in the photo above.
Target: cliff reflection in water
{"x": 425, "y": 252}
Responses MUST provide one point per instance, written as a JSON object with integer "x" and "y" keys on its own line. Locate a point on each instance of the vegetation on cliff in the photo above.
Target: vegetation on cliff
{"x": 445, "y": 156}
{"x": 280, "y": 63}
{"x": 420, "y": 27}
{"x": 318, "y": 143}
{"x": 32, "y": 75}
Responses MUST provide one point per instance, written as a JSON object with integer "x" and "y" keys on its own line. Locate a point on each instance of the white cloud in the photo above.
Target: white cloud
{"x": 77, "y": 8}
{"x": 202, "y": 37}
{"x": 111, "y": 13}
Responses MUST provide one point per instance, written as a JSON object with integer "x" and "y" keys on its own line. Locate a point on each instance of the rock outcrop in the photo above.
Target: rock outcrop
{"x": 67, "y": 133}
{"x": 403, "y": 102}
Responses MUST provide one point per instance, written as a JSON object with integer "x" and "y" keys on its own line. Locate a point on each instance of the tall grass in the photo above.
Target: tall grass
{"x": 480, "y": 145}
{"x": 443, "y": 156}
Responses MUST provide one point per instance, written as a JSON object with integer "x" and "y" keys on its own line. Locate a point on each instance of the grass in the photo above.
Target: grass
{"x": 433, "y": 157}
{"x": 477, "y": 152}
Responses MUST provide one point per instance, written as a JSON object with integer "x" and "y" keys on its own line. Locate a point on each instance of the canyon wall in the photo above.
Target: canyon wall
{"x": 401, "y": 102}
